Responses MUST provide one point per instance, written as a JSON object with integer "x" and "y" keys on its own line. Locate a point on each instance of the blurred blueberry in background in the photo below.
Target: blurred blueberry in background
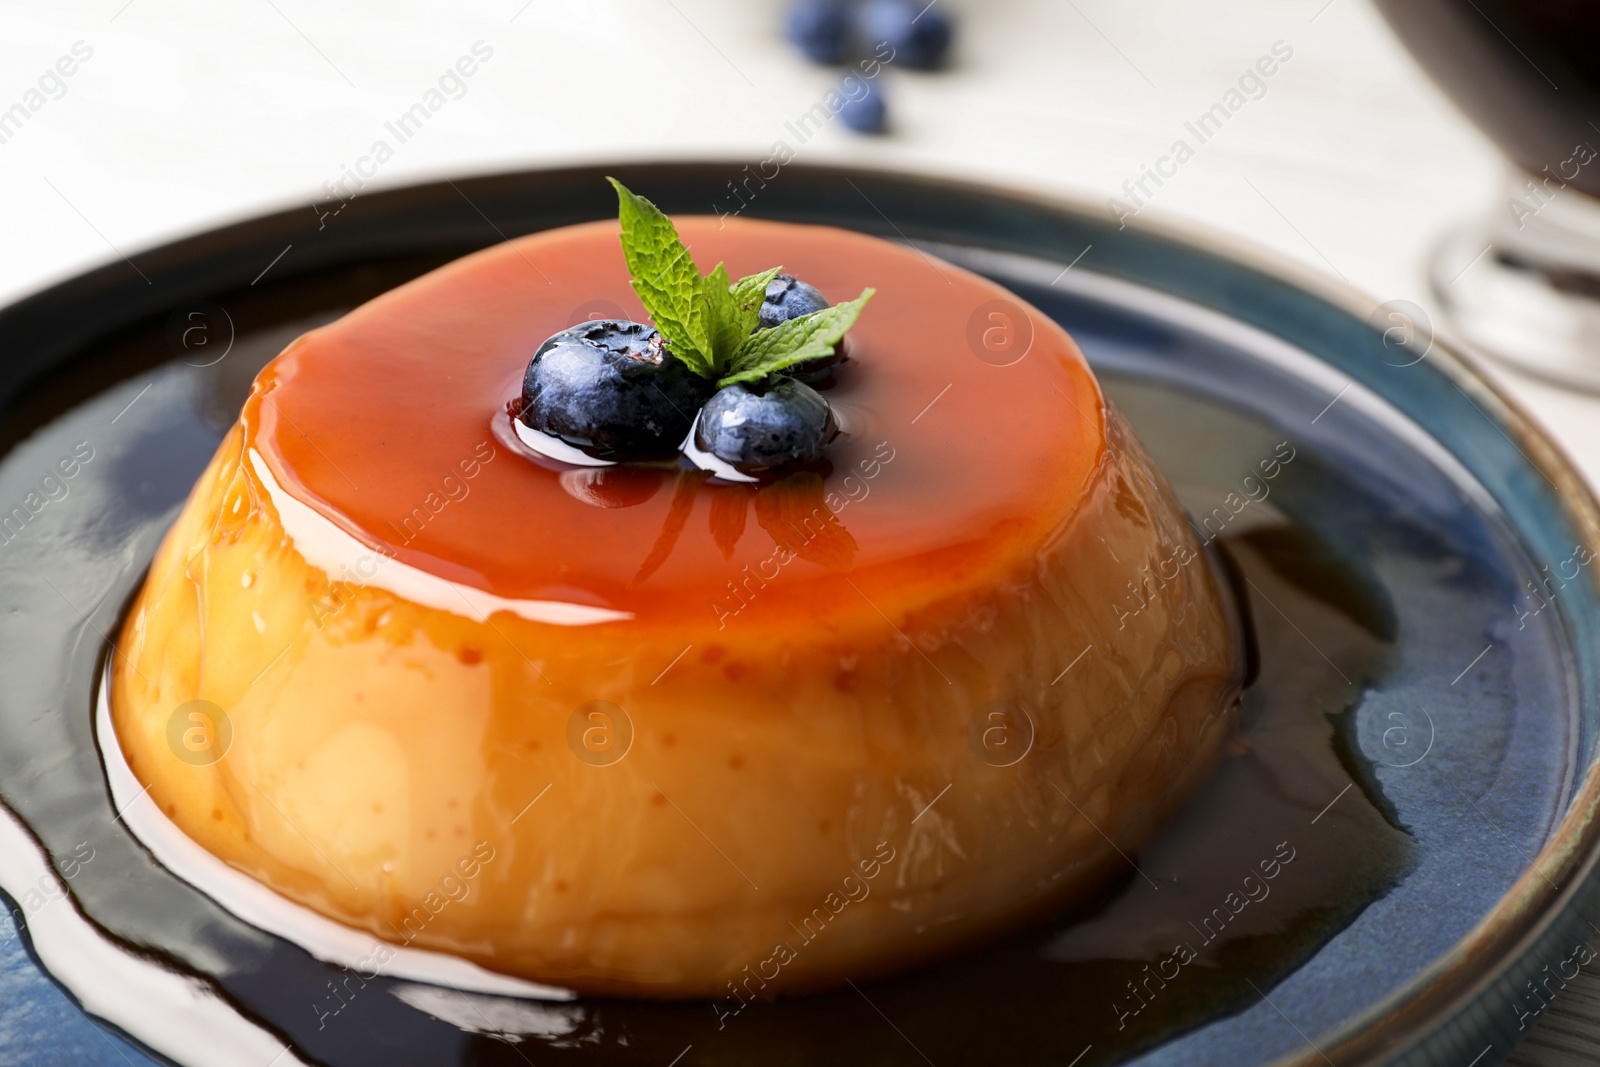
{"x": 901, "y": 33}
{"x": 819, "y": 29}
{"x": 918, "y": 32}
{"x": 865, "y": 111}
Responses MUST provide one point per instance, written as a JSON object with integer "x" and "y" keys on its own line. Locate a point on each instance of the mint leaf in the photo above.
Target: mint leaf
{"x": 710, "y": 323}
{"x": 795, "y": 341}
{"x": 748, "y": 294}
{"x": 733, "y": 311}
{"x": 666, "y": 279}
{"x": 722, "y": 318}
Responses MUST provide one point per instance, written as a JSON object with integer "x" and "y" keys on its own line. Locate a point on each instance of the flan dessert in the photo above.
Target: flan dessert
{"x": 690, "y": 688}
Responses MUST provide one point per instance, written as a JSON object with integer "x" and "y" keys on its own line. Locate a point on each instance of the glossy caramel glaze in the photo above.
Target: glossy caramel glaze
{"x": 407, "y": 617}
{"x": 367, "y": 417}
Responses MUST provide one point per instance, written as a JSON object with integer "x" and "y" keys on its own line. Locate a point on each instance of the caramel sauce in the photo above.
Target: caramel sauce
{"x": 393, "y": 423}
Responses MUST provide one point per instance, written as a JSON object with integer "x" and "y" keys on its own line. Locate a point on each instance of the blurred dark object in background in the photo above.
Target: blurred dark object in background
{"x": 1523, "y": 284}
{"x": 1526, "y": 71}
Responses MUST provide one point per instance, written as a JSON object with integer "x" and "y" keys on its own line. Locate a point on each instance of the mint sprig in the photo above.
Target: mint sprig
{"x": 708, "y": 321}
{"x": 794, "y": 341}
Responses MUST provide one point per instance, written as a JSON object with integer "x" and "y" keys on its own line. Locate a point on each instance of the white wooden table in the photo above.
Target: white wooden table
{"x": 187, "y": 113}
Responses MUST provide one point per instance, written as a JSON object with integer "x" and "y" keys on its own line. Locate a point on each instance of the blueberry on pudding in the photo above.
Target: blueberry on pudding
{"x": 758, "y": 428}
{"x": 788, "y": 298}
{"x": 613, "y": 390}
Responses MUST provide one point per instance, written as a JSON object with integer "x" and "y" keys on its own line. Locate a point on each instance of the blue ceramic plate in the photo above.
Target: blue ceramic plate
{"x": 1415, "y": 772}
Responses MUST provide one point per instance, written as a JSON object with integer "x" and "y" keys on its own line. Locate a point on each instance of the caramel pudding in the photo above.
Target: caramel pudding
{"x": 638, "y": 729}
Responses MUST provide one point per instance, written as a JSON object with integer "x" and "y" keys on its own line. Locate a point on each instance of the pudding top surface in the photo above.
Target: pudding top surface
{"x": 392, "y": 423}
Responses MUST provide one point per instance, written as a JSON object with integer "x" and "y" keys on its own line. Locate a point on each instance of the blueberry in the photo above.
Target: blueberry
{"x": 611, "y": 389}
{"x": 763, "y": 426}
{"x": 864, "y": 111}
{"x": 920, "y": 35}
{"x": 819, "y": 28}
{"x": 789, "y": 298}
